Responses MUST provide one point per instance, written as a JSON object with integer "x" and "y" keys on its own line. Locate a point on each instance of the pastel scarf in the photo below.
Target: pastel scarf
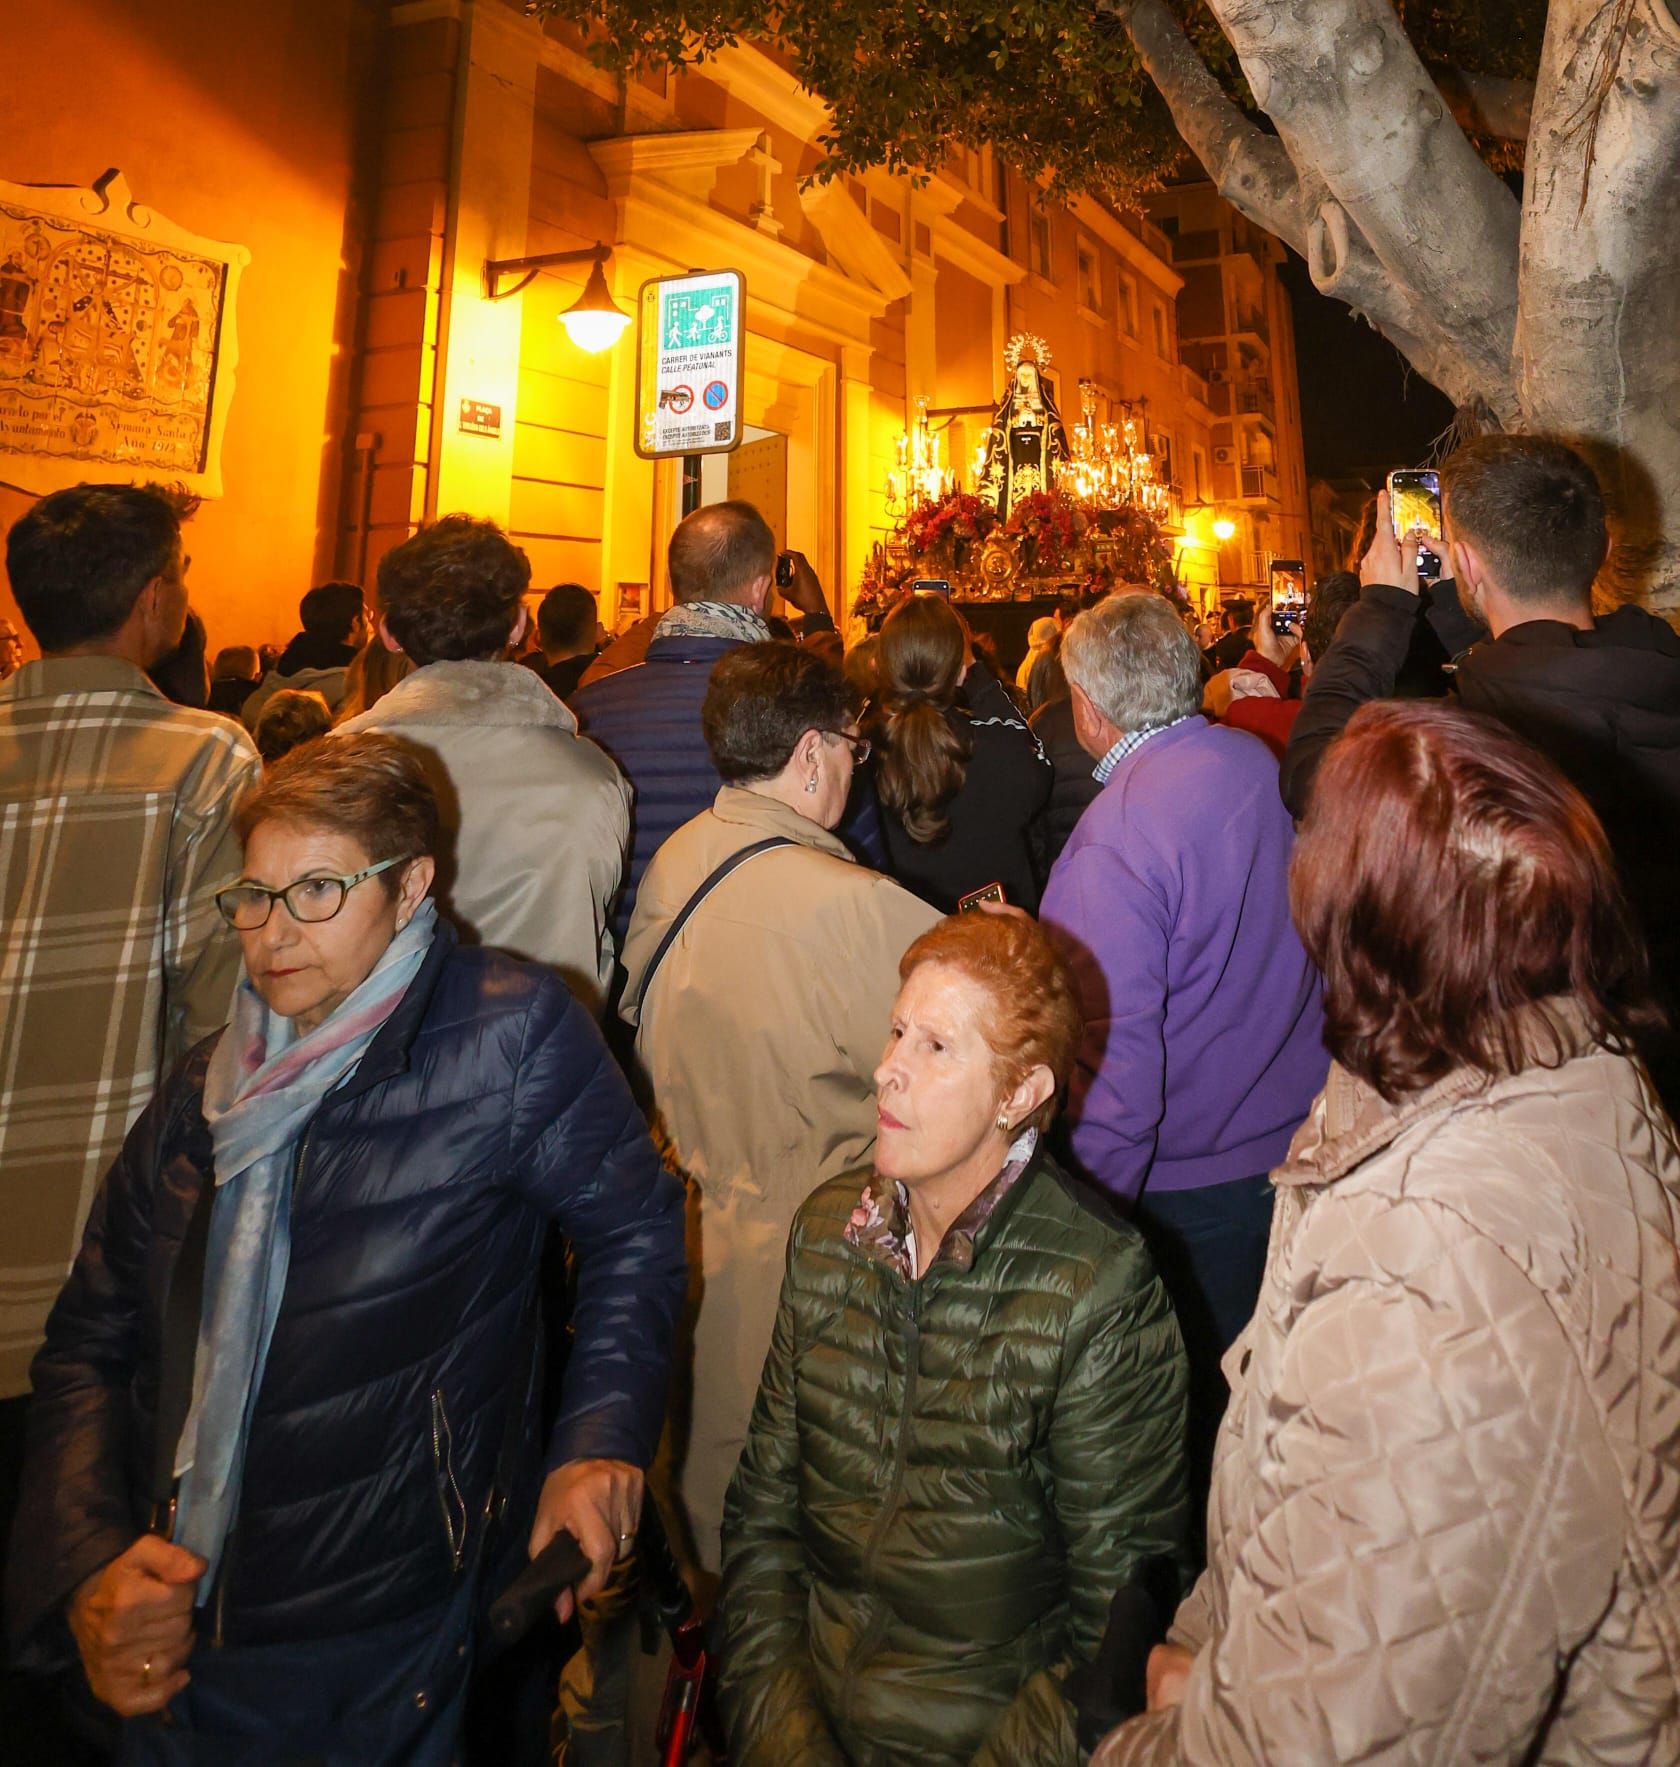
{"x": 264, "y": 1084}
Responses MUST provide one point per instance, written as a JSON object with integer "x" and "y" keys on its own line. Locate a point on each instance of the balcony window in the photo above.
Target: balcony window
{"x": 1090, "y": 278}
{"x": 1038, "y": 242}
{"x": 1128, "y": 307}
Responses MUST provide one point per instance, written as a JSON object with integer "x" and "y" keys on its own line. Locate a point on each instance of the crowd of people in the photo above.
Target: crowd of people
{"x": 1128, "y": 1211}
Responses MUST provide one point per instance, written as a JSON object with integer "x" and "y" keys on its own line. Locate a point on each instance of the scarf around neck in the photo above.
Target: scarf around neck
{"x": 713, "y": 619}
{"x": 264, "y": 1084}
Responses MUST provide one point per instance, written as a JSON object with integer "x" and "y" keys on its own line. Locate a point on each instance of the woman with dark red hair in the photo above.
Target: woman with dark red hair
{"x": 1445, "y": 1522}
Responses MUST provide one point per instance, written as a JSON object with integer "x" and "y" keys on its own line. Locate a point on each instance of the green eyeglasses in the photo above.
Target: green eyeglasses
{"x": 247, "y": 906}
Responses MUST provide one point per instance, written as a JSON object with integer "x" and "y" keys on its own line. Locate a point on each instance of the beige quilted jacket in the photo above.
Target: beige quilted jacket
{"x": 1445, "y": 1523}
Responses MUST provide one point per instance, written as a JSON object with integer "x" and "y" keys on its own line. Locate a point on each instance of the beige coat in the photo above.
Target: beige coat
{"x": 1445, "y": 1524}
{"x": 760, "y": 1037}
{"x": 536, "y": 817}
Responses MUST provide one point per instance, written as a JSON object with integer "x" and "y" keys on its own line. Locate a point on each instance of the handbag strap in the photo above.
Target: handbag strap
{"x": 178, "y": 1353}
{"x": 708, "y": 884}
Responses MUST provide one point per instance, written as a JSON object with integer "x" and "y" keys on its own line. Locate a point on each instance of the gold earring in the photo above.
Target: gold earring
{"x": 1003, "y": 1123}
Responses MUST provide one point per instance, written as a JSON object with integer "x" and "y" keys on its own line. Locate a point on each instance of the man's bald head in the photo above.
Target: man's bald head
{"x": 723, "y": 552}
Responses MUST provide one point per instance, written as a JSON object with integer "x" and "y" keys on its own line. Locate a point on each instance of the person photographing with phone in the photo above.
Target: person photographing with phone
{"x": 1523, "y": 535}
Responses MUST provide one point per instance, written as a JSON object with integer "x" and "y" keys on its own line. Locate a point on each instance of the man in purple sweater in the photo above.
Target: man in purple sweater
{"x": 1203, "y": 1045}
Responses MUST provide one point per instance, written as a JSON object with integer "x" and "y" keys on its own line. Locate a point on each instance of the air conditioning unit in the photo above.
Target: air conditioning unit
{"x": 1224, "y": 455}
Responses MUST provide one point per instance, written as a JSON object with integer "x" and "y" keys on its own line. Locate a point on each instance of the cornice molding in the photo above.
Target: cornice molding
{"x": 852, "y": 239}
{"x": 688, "y": 160}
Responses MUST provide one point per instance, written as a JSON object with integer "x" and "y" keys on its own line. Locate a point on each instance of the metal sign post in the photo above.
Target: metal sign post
{"x": 690, "y": 359}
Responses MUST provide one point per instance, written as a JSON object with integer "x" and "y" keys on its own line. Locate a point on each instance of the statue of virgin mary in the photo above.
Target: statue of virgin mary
{"x": 1026, "y": 445}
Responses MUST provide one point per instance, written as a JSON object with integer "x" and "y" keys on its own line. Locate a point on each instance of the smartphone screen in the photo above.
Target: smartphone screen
{"x": 1414, "y": 501}
{"x": 931, "y": 586}
{"x": 1289, "y": 595}
{"x": 992, "y": 892}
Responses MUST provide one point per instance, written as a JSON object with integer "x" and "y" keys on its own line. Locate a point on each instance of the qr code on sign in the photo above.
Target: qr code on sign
{"x": 721, "y": 431}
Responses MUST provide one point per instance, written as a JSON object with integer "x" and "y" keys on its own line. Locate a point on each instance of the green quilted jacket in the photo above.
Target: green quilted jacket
{"x": 945, "y": 1481}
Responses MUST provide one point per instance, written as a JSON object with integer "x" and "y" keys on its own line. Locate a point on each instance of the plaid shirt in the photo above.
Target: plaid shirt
{"x": 1129, "y": 744}
{"x": 114, "y": 832}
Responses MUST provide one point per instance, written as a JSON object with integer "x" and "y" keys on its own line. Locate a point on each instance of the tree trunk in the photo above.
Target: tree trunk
{"x": 1598, "y": 345}
{"x": 1563, "y": 317}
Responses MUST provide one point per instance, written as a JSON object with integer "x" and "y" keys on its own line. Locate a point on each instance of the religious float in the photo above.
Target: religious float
{"x": 1051, "y": 515}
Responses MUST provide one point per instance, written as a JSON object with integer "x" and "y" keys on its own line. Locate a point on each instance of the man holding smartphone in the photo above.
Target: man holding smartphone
{"x": 1524, "y": 537}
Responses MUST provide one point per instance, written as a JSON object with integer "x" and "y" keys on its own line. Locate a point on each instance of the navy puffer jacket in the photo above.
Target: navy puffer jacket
{"x": 648, "y": 719}
{"x": 485, "y": 1108}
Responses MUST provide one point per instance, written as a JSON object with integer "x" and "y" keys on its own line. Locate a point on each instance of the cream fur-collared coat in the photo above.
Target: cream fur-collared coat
{"x": 536, "y": 817}
{"x": 1445, "y": 1524}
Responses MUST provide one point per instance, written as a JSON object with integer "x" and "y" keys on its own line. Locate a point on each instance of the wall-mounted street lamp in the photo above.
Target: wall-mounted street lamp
{"x": 1224, "y": 528}
{"x": 594, "y": 322}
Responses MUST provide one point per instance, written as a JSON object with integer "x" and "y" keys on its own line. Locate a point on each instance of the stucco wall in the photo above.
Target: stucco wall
{"x": 237, "y": 122}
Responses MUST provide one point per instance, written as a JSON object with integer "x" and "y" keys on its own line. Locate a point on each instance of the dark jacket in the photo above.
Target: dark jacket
{"x": 647, "y": 717}
{"x": 485, "y": 1108}
{"x": 1604, "y": 705}
{"x": 1006, "y": 785}
{"x": 561, "y": 678}
{"x": 1074, "y": 784}
{"x": 945, "y": 1482}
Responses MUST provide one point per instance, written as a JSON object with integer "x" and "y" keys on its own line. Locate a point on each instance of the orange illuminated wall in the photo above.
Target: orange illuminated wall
{"x": 239, "y": 122}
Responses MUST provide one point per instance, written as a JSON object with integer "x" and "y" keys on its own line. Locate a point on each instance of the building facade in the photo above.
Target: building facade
{"x": 448, "y": 133}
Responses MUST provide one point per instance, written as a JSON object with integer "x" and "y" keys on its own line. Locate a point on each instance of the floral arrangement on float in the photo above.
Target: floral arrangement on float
{"x": 1050, "y": 527}
{"x": 948, "y": 527}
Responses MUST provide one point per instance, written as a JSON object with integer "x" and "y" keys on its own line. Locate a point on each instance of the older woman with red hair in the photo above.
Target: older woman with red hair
{"x": 969, "y": 1431}
{"x": 1445, "y": 1522}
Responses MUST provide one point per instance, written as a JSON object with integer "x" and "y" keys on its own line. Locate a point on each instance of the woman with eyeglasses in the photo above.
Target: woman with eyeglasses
{"x": 759, "y": 1023}
{"x": 262, "y": 1504}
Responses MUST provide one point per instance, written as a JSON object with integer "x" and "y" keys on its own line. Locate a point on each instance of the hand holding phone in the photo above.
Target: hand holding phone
{"x": 1414, "y": 506}
{"x": 1390, "y": 558}
{"x": 797, "y": 584}
{"x": 992, "y": 892}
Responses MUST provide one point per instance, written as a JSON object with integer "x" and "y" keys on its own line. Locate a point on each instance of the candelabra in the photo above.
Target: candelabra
{"x": 919, "y": 476}
{"x": 1111, "y": 466}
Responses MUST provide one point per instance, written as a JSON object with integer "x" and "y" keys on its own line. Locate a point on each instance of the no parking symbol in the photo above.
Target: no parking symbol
{"x": 716, "y": 396}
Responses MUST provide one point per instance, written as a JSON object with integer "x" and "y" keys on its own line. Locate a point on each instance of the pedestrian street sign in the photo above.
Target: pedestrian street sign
{"x": 690, "y": 358}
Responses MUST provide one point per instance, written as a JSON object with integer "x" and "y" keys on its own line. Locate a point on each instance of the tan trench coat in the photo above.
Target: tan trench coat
{"x": 760, "y": 1037}
{"x": 1445, "y": 1523}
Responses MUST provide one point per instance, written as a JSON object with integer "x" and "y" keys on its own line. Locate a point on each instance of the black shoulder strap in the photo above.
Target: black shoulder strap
{"x": 732, "y": 863}
{"x": 179, "y": 1352}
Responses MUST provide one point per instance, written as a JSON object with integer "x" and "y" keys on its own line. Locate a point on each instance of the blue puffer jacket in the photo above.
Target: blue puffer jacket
{"x": 485, "y": 1108}
{"x": 648, "y": 719}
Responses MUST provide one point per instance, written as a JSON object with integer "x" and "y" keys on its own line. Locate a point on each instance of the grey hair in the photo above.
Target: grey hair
{"x": 1135, "y": 661}
{"x": 719, "y": 551}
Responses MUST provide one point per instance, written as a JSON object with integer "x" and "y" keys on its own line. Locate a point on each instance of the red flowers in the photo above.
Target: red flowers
{"x": 1052, "y": 523}
{"x": 955, "y": 517}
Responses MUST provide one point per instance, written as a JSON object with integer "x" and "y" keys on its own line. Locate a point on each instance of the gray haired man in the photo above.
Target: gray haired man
{"x": 1202, "y": 1049}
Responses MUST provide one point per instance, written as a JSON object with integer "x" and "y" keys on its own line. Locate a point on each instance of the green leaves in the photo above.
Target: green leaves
{"x": 1052, "y": 85}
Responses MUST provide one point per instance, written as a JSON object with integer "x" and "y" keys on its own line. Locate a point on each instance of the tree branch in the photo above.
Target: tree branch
{"x": 1255, "y": 173}
{"x": 1350, "y": 98}
{"x": 1249, "y": 168}
{"x": 1600, "y": 282}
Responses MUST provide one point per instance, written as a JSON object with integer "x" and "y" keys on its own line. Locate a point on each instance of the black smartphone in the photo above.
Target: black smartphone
{"x": 1289, "y": 596}
{"x": 1414, "y": 504}
{"x": 992, "y": 892}
{"x": 784, "y": 570}
{"x": 930, "y": 586}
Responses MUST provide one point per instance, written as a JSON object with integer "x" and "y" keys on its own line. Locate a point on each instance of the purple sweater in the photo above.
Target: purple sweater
{"x": 1203, "y": 1044}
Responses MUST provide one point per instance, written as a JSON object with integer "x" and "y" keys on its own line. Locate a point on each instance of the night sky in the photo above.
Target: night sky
{"x": 1362, "y": 411}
